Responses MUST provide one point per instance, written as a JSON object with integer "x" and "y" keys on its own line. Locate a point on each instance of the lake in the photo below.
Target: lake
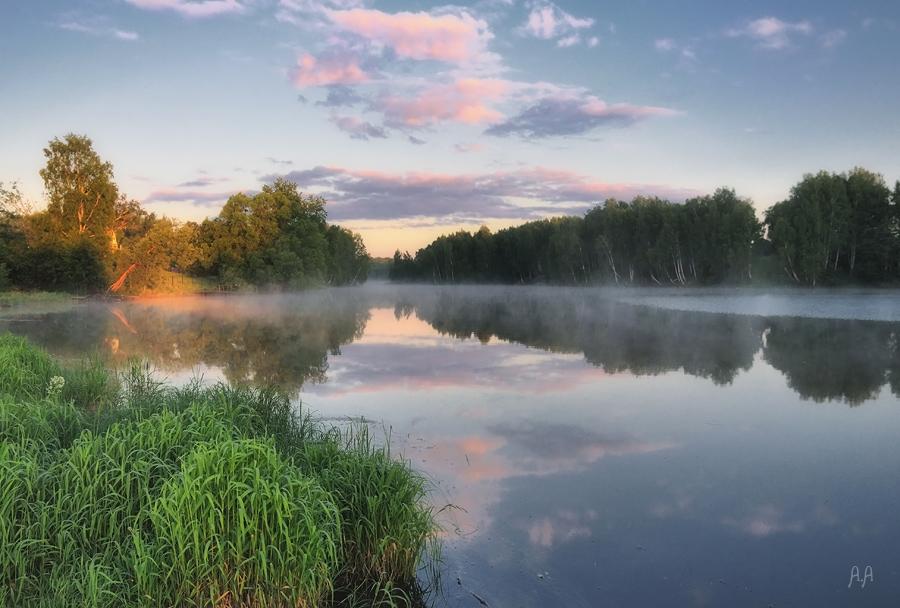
{"x": 589, "y": 447}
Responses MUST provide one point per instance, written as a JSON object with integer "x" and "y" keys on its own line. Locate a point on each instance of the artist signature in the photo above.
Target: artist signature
{"x": 866, "y": 576}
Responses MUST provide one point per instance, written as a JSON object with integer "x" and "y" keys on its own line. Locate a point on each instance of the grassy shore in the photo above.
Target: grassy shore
{"x": 118, "y": 491}
{"x": 20, "y": 298}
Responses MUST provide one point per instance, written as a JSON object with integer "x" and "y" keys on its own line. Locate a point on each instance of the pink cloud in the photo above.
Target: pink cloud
{"x": 204, "y": 8}
{"x": 466, "y": 148}
{"x": 450, "y": 38}
{"x": 463, "y": 101}
{"x": 312, "y": 71}
{"x": 356, "y": 194}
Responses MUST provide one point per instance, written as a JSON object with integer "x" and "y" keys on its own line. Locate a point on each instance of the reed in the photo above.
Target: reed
{"x": 116, "y": 490}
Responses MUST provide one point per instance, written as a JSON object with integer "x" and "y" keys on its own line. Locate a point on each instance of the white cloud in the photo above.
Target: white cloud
{"x": 547, "y": 21}
{"x": 834, "y": 38}
{"x": 686, "y": 53}
{"x": 98, "y": 27}
{"x": 665, "y": 45}
{"x": 188, "y": 8}
{"x": 771, "y": 32}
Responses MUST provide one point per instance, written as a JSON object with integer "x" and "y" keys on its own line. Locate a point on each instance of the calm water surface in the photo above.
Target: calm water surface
{"x": 597, "y": 448}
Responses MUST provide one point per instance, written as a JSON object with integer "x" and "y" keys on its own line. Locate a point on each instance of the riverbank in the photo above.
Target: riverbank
{"x": 118, "y": 490}
{"x": 26, "y": 298}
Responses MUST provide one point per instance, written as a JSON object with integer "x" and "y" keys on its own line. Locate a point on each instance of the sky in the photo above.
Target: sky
{"x": 415, "y": 119}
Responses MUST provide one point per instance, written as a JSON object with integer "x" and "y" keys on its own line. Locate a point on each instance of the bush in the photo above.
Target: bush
{"x": 121, "y": 491}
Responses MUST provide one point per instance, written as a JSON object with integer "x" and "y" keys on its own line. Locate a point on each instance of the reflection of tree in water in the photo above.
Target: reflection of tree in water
{"x": 834, "y": 359}
{"x": 283, "y": 341}
{"x": 821, "y": 358}
{"x": 286, "y": 340}
{"x": 613, "y": 335}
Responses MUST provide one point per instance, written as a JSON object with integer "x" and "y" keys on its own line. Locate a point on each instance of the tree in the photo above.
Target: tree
{"x": 12, "y": 234}
{"x": 403, "y": 268}
{"x": 566, "y": 259}
{"x": 143, "y": 261}
{"x": 131, "y": 222}
{"x": 482, "y": 250}
{"x": 13, "y": 203}
{"x": 81, "y": 190}
{"x": 870, "y": 238}
{"x": 724, "y": 228}
{"x": 349, "y": 260}
{"x": 810, "y": 229}
{"x": 276, "y": 237}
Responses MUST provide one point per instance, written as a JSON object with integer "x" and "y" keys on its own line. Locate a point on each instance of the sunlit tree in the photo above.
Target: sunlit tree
{"x": 80, "y": 188}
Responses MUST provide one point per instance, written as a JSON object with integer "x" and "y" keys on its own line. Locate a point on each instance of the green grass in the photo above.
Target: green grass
{"x": 116, "y": 490}
{"x": 23, "y": 298}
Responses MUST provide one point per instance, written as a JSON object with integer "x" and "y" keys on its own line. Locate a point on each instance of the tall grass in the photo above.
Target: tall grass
{"x": 117, "y": 490}
{"x": 20, "y": 298}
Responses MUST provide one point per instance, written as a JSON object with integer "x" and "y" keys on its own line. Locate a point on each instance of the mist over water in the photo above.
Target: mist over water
{"x": 598, "y": 447}
{"x": 851, "y": 304}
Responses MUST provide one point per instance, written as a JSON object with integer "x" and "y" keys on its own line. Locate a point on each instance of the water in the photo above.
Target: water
{"x": 622, "y": 448}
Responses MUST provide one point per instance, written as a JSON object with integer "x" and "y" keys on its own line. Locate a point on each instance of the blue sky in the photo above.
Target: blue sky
{"x": 415, "y": 119}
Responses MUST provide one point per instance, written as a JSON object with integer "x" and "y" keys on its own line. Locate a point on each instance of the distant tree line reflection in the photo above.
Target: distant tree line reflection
{"x": 254, "y": 341}
{"x": 821, "y": 359}
{"x": 287, "y": 340}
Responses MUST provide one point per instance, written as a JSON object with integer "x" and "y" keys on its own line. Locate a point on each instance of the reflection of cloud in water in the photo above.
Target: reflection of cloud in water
{"x": 544, "y": 447}
{"x": 770, "y": 519}
{"x": 680, "y": 503}
{"x": 365, "y": 368}
{"x": 563, "y": 526}
{"x": 476, "y": 463}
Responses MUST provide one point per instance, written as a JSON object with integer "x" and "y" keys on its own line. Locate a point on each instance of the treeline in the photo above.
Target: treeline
{"x": 834, "y": 228}
{"x": 91, "y": 238}
{"x": 838, "y": 226}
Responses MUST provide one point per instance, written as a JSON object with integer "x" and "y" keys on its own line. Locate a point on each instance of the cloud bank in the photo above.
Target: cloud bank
{"x": 561, "y": 116}
{"x": 525, "y": 194}
{"x": 430, "y": 69}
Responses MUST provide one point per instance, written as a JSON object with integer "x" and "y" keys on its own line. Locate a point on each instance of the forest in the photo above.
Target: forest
{"x": 91, "y": 238}
{"x": 832, "y": 229}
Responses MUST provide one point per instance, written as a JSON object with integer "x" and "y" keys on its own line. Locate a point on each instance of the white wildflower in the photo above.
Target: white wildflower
{"x": 55, "y": 387}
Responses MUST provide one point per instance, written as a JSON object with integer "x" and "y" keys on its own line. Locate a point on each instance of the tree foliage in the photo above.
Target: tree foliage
{"x": 279, "y": 238}
{"x": 833, "y": 228}
{"x": 80, "y": 188}
{"x": 92, "y": 238}
{"x": 708, "y": 239}
{"x": 837, "y": 227}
